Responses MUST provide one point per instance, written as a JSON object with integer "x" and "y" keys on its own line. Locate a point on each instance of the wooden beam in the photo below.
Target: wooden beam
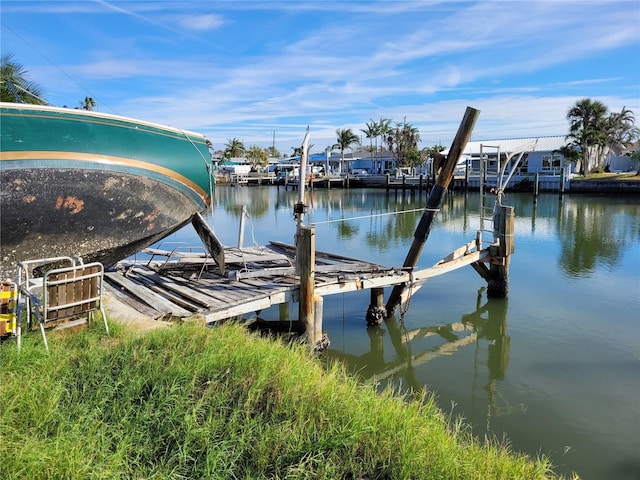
{"x": 435, "y": 199}
{"x": 247, "y": 307}
{"x": 306, "y": 255}
{"x": 141, "y": 292}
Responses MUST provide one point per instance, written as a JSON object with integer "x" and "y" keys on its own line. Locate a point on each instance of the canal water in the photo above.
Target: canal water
{"x": 554, "y": 368}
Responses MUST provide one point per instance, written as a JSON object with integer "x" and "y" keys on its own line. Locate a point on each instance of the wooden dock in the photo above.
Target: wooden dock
{"x": 186, "y": 283}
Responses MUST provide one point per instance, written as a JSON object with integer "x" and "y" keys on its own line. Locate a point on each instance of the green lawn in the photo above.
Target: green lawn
{"x": 626, "y": 177}
{"x": 190, "y": 402}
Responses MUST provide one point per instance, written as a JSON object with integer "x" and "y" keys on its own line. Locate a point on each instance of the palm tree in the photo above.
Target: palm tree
{"x": 346, "y": 138}
{"x": 15, "y": 85}
{"x": 599, "y": 135}
{"x": 234, "y": 148}
{"x": 383, "y": 126}
{"x": 438, "y": 158}
{"x": 258, "y": 157}
{"x": 87, "y": 104}
{"x": 402, "y": 141}
{"x": 297, "y": 151}
{"x": 586, "y": 122}
{"x": 621, "y": 132}
{"x": 272, "y": 151}
{"x": 569, "y": 153}
{"x": 371, "y": 132}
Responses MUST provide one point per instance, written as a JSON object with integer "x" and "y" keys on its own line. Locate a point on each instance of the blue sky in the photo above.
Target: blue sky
{"x": 246, "y": 69}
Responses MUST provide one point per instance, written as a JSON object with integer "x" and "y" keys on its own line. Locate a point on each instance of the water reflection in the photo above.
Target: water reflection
{"x": 591, "y": 230}
{"x": 485, "y": 328}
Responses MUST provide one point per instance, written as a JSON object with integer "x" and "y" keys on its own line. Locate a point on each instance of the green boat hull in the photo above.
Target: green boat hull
{"x": 78, "y": 183}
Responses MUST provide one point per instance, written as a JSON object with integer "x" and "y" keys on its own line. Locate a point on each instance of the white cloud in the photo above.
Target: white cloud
{"x": 225, "y": 67}
{"x": 200, "y": 22}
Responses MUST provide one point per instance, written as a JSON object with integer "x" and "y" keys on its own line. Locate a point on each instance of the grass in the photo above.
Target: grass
{"x": 195, "y": 402}
{"x": 625, "y": 177}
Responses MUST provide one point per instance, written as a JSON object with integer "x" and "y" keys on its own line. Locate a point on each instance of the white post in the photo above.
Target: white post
{"x": 241, "y": 230}
{"x": 298, "y": 209}
{"x": 303, "y": 174}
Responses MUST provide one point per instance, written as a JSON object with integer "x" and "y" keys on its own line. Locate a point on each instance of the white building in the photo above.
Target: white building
{"x": 540, "y": 161}
{"x": 541, "y": 154}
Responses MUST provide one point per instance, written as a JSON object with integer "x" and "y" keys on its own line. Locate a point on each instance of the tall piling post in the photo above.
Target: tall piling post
{"x": 435, "y": 199}
{"x": 498, "y": 279}
{"x": 306, "y": 249}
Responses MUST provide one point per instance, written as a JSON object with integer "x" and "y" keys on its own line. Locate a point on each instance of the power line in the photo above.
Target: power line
{"x": 86, "y": 90}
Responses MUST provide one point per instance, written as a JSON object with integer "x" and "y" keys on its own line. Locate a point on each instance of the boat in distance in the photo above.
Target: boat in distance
{"x": 83, "y": 183}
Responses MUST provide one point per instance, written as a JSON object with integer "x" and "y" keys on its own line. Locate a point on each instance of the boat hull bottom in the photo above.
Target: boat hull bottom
{"x": 98, "y": 215}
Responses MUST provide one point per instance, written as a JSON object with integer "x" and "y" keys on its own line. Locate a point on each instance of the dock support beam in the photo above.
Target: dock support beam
{"x": 435, "y": 199}
{"x": 376, "y": 311}
{"x": 310, "y": 322}
{"x": 498, "y": 282}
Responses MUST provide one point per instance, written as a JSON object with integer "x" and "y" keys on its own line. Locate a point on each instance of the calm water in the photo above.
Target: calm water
{"x": 555, "y": 367}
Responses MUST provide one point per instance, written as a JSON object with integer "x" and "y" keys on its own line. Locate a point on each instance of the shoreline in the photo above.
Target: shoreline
{"x": 604, "y": 186}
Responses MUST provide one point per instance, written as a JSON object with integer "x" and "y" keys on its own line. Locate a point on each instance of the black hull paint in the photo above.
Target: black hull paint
{"x": 99, "y": 215}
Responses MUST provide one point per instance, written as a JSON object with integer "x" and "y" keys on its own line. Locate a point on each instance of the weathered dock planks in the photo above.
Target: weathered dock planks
{"x": 180, "y": 285}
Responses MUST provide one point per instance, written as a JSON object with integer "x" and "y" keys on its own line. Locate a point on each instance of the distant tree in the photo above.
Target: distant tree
{"x": 621, "y": 131}
{"x": 402, "y": 140}
{"x": 586, "y": 129}
{"x": 345, "y": 138}
{"x": 273, "y": 152}
{"x": 635, "y": 157}
{"x": 570, "y": 153}
{"x": 297, "y": 151}
{"x": 599, "y": 134}
{"x": 258, "y": 157}
{"x": 412, "y": 158}
{"x": 434, "y": 153}
{"x": 234, "y": 148}
{"x": 383, "y": 127}
{"x": 87, "y": 104}
{"x": 15, "y": 85}
{"x": 371, "y": 132}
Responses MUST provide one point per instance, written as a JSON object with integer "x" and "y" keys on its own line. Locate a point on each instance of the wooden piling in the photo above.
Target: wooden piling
{"x": 498, "y": 281}
{"x": 376, "y": 311}
{"x": 466, "y": 176}
{"x": 306, "y": 248}
{"x": 435, "y": 199}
